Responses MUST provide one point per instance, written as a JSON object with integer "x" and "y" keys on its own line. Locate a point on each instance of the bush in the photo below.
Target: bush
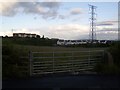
{"x": 104, "y": 68}
{"x": 115, "y": 51}
{"x": 11, "y": 61}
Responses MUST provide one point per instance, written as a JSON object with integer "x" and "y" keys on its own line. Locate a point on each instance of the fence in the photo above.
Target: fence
{"x": 64, "y": 61}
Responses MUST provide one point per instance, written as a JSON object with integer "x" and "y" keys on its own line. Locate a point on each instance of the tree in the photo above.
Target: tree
{"x": 6, "y": 36}
{"x": 38, "y": 36}
{"x": 43, "y": 37}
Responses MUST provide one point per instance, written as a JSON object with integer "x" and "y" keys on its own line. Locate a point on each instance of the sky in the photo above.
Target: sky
{"x": 55, "y": 19}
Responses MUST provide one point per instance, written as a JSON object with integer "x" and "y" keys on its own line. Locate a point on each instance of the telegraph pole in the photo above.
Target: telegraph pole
{"x": 92, "y": 33}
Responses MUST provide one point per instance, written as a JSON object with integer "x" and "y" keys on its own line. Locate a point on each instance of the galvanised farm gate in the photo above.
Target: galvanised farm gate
{"x": 64, "y": 61}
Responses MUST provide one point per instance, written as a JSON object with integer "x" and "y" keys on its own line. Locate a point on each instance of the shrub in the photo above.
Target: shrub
{"x": 104, "y": 68}
{"x": 115, "y": 51}
{"x": 11, "y": 61}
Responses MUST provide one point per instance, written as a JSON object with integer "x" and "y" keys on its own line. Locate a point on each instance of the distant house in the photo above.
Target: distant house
{"x": 23, "y": 35}
{"x": 80, "y": 42}
{"x": 60, "y": 42}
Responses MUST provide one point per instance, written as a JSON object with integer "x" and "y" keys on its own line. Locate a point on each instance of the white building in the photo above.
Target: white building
{"x": 23, "y": 35}
{"x": 60, "y": 42}
{"x": 78, "y": 42}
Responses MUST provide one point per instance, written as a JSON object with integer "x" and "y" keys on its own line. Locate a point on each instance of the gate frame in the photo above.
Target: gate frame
{"x": 72, "y": 53}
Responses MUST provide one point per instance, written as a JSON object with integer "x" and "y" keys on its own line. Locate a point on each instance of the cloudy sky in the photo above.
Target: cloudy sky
{"x": 64, "y": 20}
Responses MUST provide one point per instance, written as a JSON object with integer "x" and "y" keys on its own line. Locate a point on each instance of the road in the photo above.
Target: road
{"x": 73, "y": 81}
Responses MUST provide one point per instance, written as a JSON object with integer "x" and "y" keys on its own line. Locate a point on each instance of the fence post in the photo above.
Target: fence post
{"x": 89, "y": 60}
{"x": 53, "y": 62}
{"x": 72, "y": 63}
{"x": 31, "y": 62}
{"x": 110, "y": 59}
{"x": 103, "y": 56}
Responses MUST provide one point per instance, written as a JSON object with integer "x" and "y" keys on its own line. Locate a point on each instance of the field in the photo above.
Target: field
{"x": 53, "y": 49}
{"x": 12, "y": 58}
{"x": 13, "y": 53}
{"x": 62, "y": 59}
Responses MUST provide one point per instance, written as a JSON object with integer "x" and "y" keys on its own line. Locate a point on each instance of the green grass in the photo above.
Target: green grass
{"x": 12, "y": 51}
{"x": 62, "y": 52}
{"x": 53, "y": 49}
{"x": 18, "y": 65}
{"x": 62, "y": 57}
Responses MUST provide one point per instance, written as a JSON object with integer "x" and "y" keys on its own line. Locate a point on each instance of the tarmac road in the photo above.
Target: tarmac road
{"x": 57, "y": 82}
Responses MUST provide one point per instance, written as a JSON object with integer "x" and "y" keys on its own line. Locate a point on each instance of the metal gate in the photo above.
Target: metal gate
{"x": 64, "y": 61}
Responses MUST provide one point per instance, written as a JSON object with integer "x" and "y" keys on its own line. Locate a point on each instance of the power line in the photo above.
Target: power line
{"x": 92, "y": 33}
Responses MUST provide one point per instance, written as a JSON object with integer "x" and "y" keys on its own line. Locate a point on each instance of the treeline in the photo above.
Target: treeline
{"x": 31, "y": 41}
{"x": 50, "y": 42}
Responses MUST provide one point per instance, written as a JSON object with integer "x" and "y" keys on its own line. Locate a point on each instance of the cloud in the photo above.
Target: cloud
{"x": 62, "y": 17}
{"x": 51, "y": 4}
{"x": 75, "y": 11}
{"x": 22, "y": 30}
{"x": 63, "y": 31}
{"x": 107, "y": 33}
{"x": 108, "y": 30}
{"x": 74, "y": 31}
{"x": 6, "y": 9}
{"x": 18, "y": 0}
{"x": 107, "y": 23}
{"x": 70, "y": 13}
{"x": 66, "y": 31}
{"x": 45, "y": 9}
